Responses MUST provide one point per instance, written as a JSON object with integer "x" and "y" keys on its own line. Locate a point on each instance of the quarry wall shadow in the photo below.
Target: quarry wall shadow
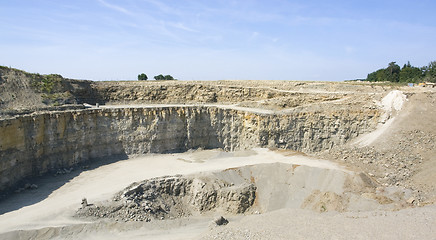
{"x": 47, "y": 183}
{"x": 83, "y": 91}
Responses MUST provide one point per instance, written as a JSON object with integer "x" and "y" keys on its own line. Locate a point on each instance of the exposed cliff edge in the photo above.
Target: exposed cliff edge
{"x": 22, "y": 92}
{"x": 34, "y": 144}
{"x": 44, "y": 125}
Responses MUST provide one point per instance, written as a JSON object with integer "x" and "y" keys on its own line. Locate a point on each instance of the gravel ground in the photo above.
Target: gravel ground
{"x": 414, "y": 223}
{"x": 404, "y": 155}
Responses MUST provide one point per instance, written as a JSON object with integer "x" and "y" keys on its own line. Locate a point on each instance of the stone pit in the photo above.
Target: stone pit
{"x": 174, "y": 155}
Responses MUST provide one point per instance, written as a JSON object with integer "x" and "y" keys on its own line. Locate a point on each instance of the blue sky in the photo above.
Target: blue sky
{"x": 215, "y": 40}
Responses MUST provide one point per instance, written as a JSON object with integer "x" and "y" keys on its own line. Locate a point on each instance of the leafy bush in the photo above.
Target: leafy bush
{"x": 162, "y": 77}
{"x": 142, "y": 77}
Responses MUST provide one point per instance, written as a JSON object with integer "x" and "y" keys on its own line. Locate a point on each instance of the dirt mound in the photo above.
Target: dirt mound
{"x": 257, "y": 188}
{"x": 174, "y": 197}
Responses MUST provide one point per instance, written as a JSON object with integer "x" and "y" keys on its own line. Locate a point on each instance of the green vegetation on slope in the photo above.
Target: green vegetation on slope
{"x": 52, "y": 88}
{"x": 46, "y": 83}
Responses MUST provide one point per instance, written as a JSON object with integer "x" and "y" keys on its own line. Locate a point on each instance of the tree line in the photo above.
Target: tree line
{"x": 405, "y": 74}
{"x": 143, "y": 77}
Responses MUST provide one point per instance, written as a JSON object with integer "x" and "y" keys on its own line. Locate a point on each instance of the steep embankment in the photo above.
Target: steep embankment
{"x": 16, "y": 90}
{"x": 35, "y": 144}
{"x": 23, "y": 92}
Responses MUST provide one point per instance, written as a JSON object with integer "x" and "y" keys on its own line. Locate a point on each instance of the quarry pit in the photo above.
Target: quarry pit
{"x": 163, "y": 159}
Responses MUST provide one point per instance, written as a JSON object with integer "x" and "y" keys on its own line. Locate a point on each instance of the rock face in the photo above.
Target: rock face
{"x": 37, "y": 136}
{"x": 173, "y": 197}
{"x": 31, "y": 145}
{"x": 198, "y": 92}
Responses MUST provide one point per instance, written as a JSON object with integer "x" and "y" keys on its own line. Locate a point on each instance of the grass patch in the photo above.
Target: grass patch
{"x": 46, "y": 83}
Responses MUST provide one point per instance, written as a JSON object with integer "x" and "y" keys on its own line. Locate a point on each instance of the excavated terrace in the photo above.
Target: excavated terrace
{"x": 258, "y": 133}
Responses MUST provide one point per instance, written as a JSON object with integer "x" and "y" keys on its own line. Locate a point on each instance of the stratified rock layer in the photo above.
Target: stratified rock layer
{"x": 31, "y": 145}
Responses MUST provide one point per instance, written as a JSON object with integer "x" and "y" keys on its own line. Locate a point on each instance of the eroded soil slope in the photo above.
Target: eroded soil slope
{"x": 405, "y": 154}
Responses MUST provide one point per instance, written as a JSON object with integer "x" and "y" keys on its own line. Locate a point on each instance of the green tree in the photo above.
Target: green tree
{"x": 377, "y": 76}
{"x": 430, "y": 72}
{"x": 168, "y": 77}
{"x": 372, "y": 77}
{"x": 381, "y": 75}
{"x": 410, "y": 73}
{"x": 159, "y": 77}
{"x": 142, "y": 77}
{"x": 392, "y": 72}
{"x": 162, "y": 77}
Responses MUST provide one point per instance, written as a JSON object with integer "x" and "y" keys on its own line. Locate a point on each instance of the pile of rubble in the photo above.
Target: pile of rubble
{"x": 393, "y": 166}
{"x": 173, "y": 197}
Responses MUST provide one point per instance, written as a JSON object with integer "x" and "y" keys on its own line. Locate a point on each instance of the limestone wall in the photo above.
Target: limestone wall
{"x": 32, "y": 145}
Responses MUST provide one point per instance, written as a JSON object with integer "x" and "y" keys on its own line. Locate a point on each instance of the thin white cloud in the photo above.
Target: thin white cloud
{"x": 115, "y": 7}
{"x": 169, "y": 10}
{"x": 317, "y": 21}
{"x": 165, "y": 8}
{"x": 181, "y": 26}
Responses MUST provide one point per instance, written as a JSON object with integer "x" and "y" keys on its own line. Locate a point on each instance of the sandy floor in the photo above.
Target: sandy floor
{"x": 50, "y": 217}
{"x": 20, "y": 212}
{"x": 418, "y": 223}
